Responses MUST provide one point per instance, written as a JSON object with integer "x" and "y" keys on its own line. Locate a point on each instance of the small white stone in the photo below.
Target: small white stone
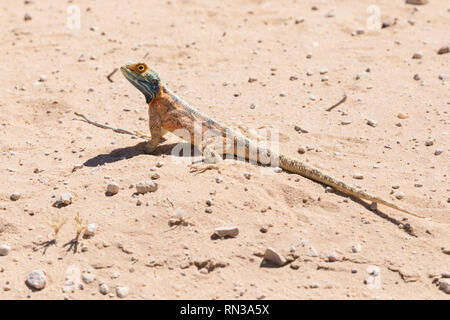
{"x": 112, "y": 188}
{"x": 418, "y": 55}
{"x": 332, "y": 257}
{"x": 299, "y": 20}
{"x": 155, "y": 176}
{"x": 65, "y": 198}
{"x": 37, "y": 279}
{"x": 273, "y": 256}
{"x": 444, "y": 285}
{"x": 90, "y": 230}
{"x": 88, "y": 278}
{"x": 356, "y": 248}
{"x": 223, "y": 232}
{"x": 103, "y": 288}
{"x": 159, "y": 164}
{"x": 399, "y": 195}
{"x": 360, "y": 75}
{"x": 15, "y": 196}
{"x": 373, "y": 270}
{"x": 278, "y": 170}
{"x": 144, "y": 187}
{"x": 372, "y": 123}
{"x": 122, "y": 292}
{"x": 438, "y": 152}
{"x": 358, "y": 176}
{"x": 429, "y": 142}
{"x": 247, "y": 175}
{"x": 4, "y": 249}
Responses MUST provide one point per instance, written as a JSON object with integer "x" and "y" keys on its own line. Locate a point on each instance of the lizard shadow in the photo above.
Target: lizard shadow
{"x": 404, "y": 226}
{"x": 120, "y": 154}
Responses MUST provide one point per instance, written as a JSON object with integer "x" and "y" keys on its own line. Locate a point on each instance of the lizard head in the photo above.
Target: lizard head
{"x": 142, "y": 77}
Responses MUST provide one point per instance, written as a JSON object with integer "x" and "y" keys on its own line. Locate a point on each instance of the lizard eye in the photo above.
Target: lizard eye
{"x": 141, "y": 67}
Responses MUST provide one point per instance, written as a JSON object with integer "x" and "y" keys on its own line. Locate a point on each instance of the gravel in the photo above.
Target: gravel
{"x": 223, "y": 232}
{"x": 271, "y": 255}
{"x": 37, "y": 279}
{"x": 112, "y": 188}
{"x": 144, "y": 187}
{"x": 4, "y": 249}
{"x": 122, "y": 291}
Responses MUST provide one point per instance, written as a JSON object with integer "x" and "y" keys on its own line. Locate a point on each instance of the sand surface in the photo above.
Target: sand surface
{"x": 206, "y": 51}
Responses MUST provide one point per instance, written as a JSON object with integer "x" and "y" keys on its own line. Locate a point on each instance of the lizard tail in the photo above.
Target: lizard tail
{"x": 298, "y": 167}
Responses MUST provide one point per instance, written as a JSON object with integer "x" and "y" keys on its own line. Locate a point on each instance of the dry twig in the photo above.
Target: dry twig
{"x": 344, "y": 97}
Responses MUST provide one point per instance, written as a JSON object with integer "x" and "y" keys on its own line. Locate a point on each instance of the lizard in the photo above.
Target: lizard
{"x": 169, "y": 113}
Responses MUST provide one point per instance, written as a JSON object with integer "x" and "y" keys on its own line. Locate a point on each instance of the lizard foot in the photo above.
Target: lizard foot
{"x": 205, "y": 167}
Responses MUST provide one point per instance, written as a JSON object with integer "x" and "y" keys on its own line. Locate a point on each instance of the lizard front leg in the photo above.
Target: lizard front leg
{"x": 156, "y": 132}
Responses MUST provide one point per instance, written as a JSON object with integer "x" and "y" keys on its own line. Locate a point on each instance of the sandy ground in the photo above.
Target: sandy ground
{"x": 206, "y": 51}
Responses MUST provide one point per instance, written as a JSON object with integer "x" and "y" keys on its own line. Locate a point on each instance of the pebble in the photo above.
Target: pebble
{"x": 401, "y": 115}
{"x": 264, "y": 228}
{"x": 27, "y": 17}
{"x": 418, "y": 55}
{"x": 332, "y": 257}
{"x": 65, "y": 198}
{"x": 356, "y": 248}
{"x": 372, "y": 123}
{"x": 444, "y": 285}
{"x": 15, "y": 196}
{"x": 429, "y": 142}
{"x": 373, "y": 270}
{"x": 247, "y": 175}
{"x": 223, "y": 232}
{"x": 37, "y": 279}
{"x": 417, "y": 2}
{"x": 103, "y": 288}
{"x": 446, "y": 274}
{"x": 90, "y": 230}
{"x": 112, "y": 188}
{"x": 312, "y": 252}
{"x": 122, "y": 292}
{"x": 144, "y": 187}
{"x": 438, "y": 152}
{"x": 299, "y": 20}
{"x": 277, "y": 170}
{"x": 159, "y": 164}
{"x": 4, "y": 249}
{"x": 301, "y": 150}
{"x": 444, "y": 77}
{"x": 88, "y": 278}
{"x": 323, "y": 71}
{"x": 416, "y": 77}
{"x": 444, "y": 49}
{"x": 155, "y": 176}
{"x": 360, "y": 75}
{"x": 273, "y": 256}
{"x": 399, "y": 195}
{"x": 330, "y": 14}
{"x": 358, "y": 176}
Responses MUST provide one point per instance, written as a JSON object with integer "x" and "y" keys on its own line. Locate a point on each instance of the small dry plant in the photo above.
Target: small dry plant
{"x": 56, "y": 222}
{"x": 80, "y": 225}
